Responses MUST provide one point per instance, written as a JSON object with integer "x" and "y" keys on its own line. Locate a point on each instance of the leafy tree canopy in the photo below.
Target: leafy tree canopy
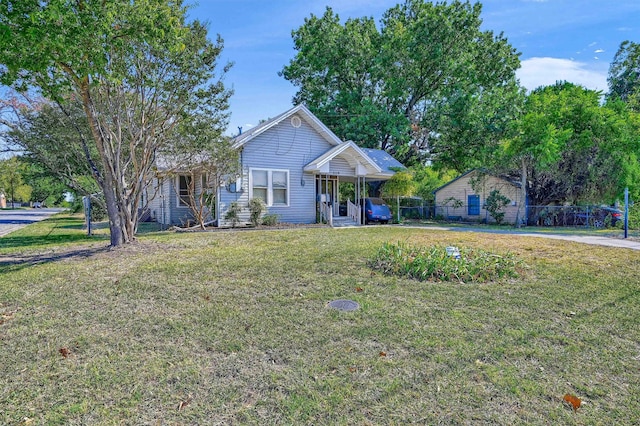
{"x": 12, "y": 181}
{"x": 425, "y": 82}
{"x": 571, "y": 148}
{"x": 140, "y": 72}
{"x": 624, "y": 74}
{"x": 53, "y": 140}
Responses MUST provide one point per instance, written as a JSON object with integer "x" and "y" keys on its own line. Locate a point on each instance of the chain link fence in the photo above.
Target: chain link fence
{"x": 578, "y": 217}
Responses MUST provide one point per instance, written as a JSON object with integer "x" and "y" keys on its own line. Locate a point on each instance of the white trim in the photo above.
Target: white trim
{"x": 179, "y": 203}
{"x": 270, "y": 188}
{"x": 303, "y": 113}
{"x": 361, "y": 163}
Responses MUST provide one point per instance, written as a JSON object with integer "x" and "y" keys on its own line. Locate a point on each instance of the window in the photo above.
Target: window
{"x": 272, "y": 186}
{"x": 279, "y": 190}
{"x": 260, "y": 184}
{"x": 184, "y": 185}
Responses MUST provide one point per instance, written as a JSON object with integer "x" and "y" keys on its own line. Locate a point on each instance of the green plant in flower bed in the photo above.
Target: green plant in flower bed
{"x": 435, "y": 264}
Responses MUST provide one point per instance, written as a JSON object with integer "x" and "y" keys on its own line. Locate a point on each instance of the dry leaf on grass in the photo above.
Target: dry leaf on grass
{"x": 184, "y": 403}
{"x": 574, "y": 401}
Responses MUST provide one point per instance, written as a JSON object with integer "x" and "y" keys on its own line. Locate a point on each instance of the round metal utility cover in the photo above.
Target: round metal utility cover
{"x": 344, "y": 305}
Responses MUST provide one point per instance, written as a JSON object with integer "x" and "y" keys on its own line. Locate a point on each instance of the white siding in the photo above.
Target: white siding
{"x": 165, "y": 208}
{"x": 282, "y": 147}
{"x": 340, "y": 166}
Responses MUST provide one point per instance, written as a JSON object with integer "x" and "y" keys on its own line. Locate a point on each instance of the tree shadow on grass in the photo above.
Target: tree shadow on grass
{"x": 15, "y": 262}
{"x": 19, "y": 241}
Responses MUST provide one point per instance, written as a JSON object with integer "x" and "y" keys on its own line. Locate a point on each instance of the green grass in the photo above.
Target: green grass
{"x": 233, "y": 328}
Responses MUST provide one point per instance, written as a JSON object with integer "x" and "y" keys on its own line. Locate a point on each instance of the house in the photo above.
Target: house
{"x": 464, "y": 198}
{"x": 3, "y": 201}
{"x": 295, "y": 164}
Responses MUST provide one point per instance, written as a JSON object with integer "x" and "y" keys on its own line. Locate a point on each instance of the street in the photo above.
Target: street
{"x": 12, "y": 220}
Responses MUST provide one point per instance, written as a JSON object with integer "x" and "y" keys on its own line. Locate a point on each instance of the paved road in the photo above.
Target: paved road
{"x": 12, "y": 220}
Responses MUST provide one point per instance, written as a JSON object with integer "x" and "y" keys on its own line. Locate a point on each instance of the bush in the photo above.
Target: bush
{"x": 233, "y": 214}
{"x": 98, "y": 210}
{"x": 495, "y": 203}
{"x": 634, "y": 216}
{"x": 434, "y": 264}
{"x": 256, "y": 207}
{"x": 270, "y": 220}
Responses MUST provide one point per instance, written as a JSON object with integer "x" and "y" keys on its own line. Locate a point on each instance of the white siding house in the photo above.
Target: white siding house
{"x": 295, "y": 164}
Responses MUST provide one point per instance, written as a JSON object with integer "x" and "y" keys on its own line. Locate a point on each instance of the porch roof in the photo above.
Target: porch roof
{"x": 362, "y": 164}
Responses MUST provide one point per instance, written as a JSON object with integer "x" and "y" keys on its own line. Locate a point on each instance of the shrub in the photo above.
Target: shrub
{"x": 495, "y": 203}
{"x": 256, "y": 207}
{"x": 634, "y": 216}
{"x": 233, "y": 214}
{"x": 270, "y": 220}
{"x": 98, "y": 209}
{"x": 434, "y": 264}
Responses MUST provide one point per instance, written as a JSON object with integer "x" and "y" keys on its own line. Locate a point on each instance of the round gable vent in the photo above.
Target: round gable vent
{"x": 295, "y": 121}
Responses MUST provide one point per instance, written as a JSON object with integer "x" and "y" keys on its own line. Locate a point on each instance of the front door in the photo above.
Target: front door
{"x": 473, "y": 205}
{"x": 327, "y": 190}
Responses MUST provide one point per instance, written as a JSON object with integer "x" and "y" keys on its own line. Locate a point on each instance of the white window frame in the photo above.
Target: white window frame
{"x": 270, "y": 202}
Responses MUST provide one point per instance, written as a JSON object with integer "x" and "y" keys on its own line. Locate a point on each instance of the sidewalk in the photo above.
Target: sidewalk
{"x": 588, "y": 239}
{"x": 584, "y": 239}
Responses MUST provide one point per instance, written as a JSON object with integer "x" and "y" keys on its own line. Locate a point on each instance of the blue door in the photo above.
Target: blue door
{"x": 473, "y": 203}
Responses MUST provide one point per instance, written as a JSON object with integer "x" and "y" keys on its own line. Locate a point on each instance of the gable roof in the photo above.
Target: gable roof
{"x": 299, "y": 110}
{"x": 516, "y": 184}
{"x": 350, "y": 152}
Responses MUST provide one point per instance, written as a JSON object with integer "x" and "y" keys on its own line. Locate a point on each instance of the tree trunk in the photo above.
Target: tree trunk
{"x": 108, "y": 182}
{"x": 113, "y": 212}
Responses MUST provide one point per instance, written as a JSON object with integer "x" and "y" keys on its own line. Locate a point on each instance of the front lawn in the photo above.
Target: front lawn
{"x": 233, "y": 327}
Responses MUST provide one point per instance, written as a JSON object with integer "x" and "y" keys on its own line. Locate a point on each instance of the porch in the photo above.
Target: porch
{"x": 338, "y": 209}
{"x": 347, "y": 164}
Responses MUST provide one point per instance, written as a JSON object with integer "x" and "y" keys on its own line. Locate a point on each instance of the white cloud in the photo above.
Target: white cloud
{"x": 599, "y": 51}
{"x": 536, "y": 72}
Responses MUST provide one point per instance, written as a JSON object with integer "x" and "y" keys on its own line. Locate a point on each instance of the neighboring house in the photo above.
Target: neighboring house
{"x": 464, "y": 198}
{"x": 295, "y": 164}
{"x": 3, "y": 201}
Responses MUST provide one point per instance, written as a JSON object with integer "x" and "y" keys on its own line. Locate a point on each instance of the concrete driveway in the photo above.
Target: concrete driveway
{"x": 12, "y": 220}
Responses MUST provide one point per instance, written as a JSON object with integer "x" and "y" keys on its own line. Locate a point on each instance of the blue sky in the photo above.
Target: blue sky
{"x": 572, "y": 40}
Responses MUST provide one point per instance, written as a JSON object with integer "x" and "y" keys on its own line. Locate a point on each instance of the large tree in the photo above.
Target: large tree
{"x": 572, "y": 149}
{"x": 426, "y": 83}
{"x": 47, "y": 189}
{"x": 624, "y": 74}
{"x": 12, "y": 182}
{"x": 139, "y": 71}
{"x": 55, "y": 138}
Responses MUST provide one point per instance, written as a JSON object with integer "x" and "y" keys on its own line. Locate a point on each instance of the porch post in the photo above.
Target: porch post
{"x": 357, "y": 196}
{"x": 337, "y": 191}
